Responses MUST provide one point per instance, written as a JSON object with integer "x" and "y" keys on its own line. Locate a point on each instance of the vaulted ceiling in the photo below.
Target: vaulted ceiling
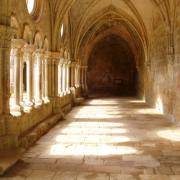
{"x": 91, "y": 20}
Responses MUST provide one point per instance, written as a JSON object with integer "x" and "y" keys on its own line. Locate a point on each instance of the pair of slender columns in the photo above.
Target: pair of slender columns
{"x": 77, "y": 76}
{"x": 28, "y": 59}
{"x": 62, "y": 72}
{"x": 41, "y": 77}
{"x": 65, "y": 77}
{"x": 83, "y": 78}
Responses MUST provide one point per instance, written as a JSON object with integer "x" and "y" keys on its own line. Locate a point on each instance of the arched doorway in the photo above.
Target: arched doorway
{"x": 111, "y": 68}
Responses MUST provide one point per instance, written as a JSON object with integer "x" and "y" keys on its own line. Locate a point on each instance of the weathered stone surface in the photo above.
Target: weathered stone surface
{"x": 94, "y": 142}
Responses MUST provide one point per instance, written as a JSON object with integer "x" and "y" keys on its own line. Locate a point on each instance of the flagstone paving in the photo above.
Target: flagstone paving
{"x": 105, "y": 139}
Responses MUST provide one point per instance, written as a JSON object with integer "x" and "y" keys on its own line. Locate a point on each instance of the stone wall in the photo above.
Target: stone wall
{"x": 162, "y": 85}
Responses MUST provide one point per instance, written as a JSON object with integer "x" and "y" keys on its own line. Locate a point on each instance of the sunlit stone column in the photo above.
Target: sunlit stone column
{"x": 17, "y": 46}
{"x": 60, "y": 71}
{"x": 38, "y": 76}
{"x": 42, "y": 78}
{"x": 52, "y": 76}
{"x": 56, "y": 75}
{"x": 21, "y": 79}
{"x": 28, "y": 56}
{"x": 46, "y": 77}
{"x": 67, "y": 77}
{"x": 64, "y": 78}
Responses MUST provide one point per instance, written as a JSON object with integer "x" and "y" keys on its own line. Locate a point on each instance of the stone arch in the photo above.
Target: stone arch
{"x": 28, "y": 34}
{"x": 16, "y": 27}
{"x": 38, "y": 42}
{"x": 46, "y": 44}
{"x": 65, "y": 53}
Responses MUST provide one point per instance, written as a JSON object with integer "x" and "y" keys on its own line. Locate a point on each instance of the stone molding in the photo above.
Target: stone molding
{"x": 17, "y": 43}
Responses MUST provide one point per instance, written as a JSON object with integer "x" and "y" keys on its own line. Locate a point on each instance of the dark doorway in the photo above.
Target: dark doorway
{"x": 111, "y": 68}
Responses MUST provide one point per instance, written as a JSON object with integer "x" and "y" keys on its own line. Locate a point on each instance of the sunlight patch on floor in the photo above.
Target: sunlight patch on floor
{"x": 96, "y": 150}
{"x": 102, "y": 102}
{"x": 96, "y": 130}
{"x": 172, "y": 135}
{"x": 99, "y": 113}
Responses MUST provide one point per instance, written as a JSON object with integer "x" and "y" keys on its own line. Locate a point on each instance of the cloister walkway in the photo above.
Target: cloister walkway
{"x": 105, "y": 139}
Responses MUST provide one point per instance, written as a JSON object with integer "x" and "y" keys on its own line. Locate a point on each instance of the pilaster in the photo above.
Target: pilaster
{"x": 6, "y": 33}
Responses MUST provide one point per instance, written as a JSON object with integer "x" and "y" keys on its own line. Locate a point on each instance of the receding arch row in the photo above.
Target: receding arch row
{"x": 28, "y": 35}
{"x": 103, "y": 26}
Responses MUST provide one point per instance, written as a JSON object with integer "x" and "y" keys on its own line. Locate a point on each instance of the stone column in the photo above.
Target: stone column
{"x": 79, "y": 75}
{"x": 55, "y": 60}
{"x": 43, "y": 78}
{"x": 50, "y": 76}
{"x": 82, "y": 77}
{"x": 67, "y": 77}
{"x": 16, "y": 74}
{"x": 64, "y": 78}
{"x": 60, "y": 86}
{"x": 21, "y": 79}
{"x": 46, "y": 77}
{"x": 176, "y": 87}
{"x": 6, "y": 33}
{"x": 17, "y": 45}
{"x": 76, "y": 76}
{"x": 72, "y": 75}
{"x": 28, "y": 55}
{"x": 85, "y": 78}
{"x": 56, "y": 76}
{"x": 38, "y": 76}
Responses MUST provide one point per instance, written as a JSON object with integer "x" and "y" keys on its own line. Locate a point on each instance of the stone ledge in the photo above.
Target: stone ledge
{"x": 8, "y": 159}
{"x": 32, "y": 136}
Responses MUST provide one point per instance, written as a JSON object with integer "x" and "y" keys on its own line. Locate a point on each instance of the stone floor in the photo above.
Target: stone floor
{"x": 105, "y": 139}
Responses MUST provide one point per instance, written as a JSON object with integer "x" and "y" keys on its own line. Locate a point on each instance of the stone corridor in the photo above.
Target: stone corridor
{"x": 105, "y": 139}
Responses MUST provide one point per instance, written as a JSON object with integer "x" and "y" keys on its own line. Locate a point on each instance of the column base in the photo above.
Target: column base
{"x": 16, "y": 110}
{"x": 68, "y": 91}
{"x": 29, "y": 103}
{"x": 61, "y": 94}
{"x": 46, "y": 100}
{"x": 77, "y": 86}
{"x": 38, "y": 102}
